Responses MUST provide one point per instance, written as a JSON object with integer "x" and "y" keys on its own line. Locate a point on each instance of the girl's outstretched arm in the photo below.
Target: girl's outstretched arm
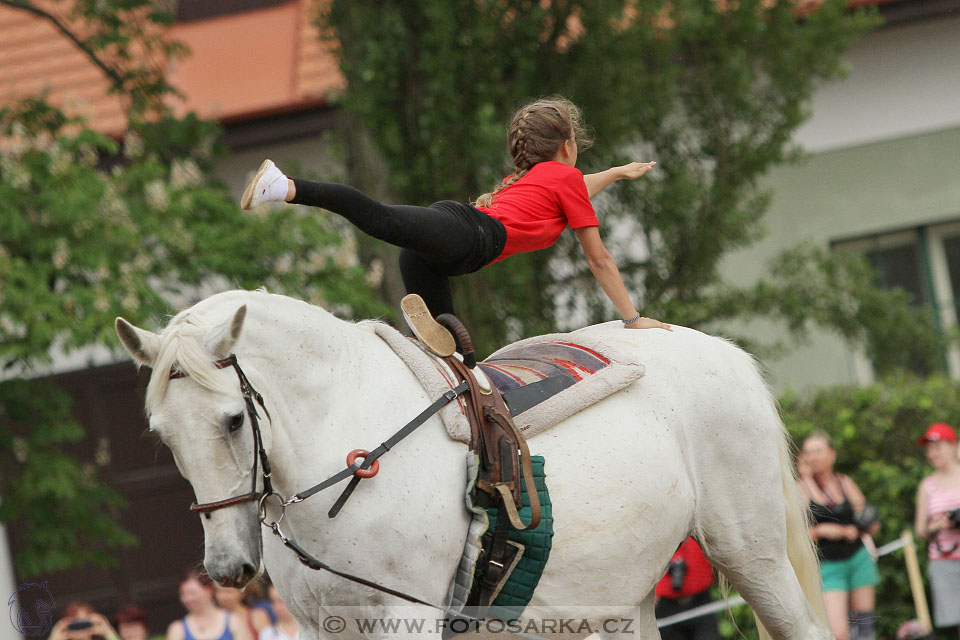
{"x": 597, "y": 182}
{"x": 605, "y": 270}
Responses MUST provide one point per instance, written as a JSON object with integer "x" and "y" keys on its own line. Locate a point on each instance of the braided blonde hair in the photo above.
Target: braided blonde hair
{"x": 536, "y": 134}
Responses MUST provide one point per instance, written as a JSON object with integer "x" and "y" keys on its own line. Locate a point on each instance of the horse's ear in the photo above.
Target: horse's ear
{"x": 221, "y": 340}
{"x": 142, "y": 346}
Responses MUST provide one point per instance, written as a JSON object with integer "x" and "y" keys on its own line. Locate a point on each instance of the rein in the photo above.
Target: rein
{"x": 364, "y": 467}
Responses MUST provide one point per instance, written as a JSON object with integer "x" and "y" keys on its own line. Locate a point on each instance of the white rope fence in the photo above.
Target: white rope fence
{"x": 736, "y": 601}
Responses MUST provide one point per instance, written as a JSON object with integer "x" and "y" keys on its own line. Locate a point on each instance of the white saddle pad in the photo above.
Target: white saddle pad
{"x": 591, "y": 370}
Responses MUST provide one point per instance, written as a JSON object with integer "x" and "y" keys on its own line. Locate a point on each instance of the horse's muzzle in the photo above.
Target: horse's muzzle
{"x": 238, "y": 580}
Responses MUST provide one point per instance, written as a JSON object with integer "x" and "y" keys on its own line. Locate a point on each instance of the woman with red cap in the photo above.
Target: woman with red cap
{"x": 938, "y": 520}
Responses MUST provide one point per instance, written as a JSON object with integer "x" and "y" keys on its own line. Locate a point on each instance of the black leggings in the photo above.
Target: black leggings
{"x": 445, "y": 239}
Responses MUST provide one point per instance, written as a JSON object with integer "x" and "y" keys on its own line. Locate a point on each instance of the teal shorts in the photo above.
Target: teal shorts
{"x": 859, "y": 570}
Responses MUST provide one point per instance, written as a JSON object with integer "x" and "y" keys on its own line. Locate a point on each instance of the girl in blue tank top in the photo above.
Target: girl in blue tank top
{"x": 204, "y": 619}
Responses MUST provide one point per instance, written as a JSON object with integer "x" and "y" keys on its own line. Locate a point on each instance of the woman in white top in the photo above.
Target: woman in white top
{"x": 286, "y": 627}
{"x": 938, "y": 520}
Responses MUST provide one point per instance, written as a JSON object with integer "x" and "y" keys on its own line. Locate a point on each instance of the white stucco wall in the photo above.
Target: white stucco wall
{"x": 885, "y": 152}
{"x": 904, "y": 80}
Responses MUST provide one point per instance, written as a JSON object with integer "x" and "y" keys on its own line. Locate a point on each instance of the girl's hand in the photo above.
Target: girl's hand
{"x": 647, "y": 323}
{"x": 634, "y": 170}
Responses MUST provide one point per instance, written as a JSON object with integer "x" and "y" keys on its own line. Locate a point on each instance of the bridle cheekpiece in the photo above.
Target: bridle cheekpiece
{"x": 259, "y": 454}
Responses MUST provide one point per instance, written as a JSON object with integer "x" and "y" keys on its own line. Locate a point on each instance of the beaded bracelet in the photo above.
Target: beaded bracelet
{"x": 632, "y": 320}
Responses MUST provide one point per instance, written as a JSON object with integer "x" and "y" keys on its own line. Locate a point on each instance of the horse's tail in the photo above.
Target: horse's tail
{"x": 800, "y": 547}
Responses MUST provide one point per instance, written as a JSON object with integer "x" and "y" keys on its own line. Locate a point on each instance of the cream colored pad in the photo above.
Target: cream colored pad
{"x": 624, "y": 368}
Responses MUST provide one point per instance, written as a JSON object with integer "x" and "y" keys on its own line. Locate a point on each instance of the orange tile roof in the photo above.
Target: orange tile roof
{"x": 241, "y": 64}
{"x": 35, "y": 58}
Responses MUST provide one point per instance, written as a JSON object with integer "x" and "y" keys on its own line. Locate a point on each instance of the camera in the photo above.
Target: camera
{"x": 79, "y": 625}
{"x": 866, "y": 517}
{"x": 677, "y": 570}
{"x": 954, "y": 516}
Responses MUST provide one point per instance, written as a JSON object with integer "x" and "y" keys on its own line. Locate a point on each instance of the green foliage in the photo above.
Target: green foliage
{"x": 811, "y": 286}
{"x": 82, "y": 245}
{"x": 712, "y": 91}
{"x": 874, "y": 430}
{"x": 91, "y": 229}
{"x": 124, "y": 38}
{"x": 65, "y": 516}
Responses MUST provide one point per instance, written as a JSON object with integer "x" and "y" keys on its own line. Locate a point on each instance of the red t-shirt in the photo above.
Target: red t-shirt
{"x": 538, "y": 207}
{"x": 699, "y": 572}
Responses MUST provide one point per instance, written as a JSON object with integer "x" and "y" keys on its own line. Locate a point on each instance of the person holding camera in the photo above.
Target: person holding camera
{"x": 842, "y": 518}
{"x": 938, "y": 520}
{"x": 685, "y": 586}
{"x": 81, "y": 621}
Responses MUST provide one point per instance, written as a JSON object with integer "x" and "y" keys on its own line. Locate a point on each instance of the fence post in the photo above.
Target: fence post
{"x": 916, "y": 582}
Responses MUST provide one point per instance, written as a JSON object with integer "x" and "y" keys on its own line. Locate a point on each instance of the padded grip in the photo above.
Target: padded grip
{"x": 462, "y": 337}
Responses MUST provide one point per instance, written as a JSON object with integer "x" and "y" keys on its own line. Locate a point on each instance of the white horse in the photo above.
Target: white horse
{"x": 694, "y": 447}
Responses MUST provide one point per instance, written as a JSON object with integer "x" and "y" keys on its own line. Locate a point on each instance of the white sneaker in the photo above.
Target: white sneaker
{"x": 268, "y": 185}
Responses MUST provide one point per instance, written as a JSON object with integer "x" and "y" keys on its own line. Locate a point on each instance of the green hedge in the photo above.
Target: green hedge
{"x": 874, "y": 430}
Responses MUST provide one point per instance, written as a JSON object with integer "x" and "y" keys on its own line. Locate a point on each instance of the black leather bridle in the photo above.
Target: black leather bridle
{"x": 259, "y": 454}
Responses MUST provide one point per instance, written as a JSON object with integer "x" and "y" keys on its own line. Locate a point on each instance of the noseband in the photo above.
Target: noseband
{"x": 259, "y": 454}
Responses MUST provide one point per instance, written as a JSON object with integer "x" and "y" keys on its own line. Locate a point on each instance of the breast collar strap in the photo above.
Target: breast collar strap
{"x": 259, "y": 454}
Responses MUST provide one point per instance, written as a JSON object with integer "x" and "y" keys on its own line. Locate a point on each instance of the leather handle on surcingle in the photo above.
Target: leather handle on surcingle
{"x": 526, "y": 468}
{"x": 461, "y": 335}
{"x": 496, "y": 413}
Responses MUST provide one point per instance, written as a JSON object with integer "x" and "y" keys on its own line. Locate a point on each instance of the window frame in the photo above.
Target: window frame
{"x": 935, "y": 276}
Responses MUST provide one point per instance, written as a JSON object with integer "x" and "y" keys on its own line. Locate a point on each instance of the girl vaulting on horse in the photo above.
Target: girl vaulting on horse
{"x": 527, "y": 211}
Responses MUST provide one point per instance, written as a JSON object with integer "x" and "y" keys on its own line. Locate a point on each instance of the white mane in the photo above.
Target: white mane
{"x": 183, "y": 348}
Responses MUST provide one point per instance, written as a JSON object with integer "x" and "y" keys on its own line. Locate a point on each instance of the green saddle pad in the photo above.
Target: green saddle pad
{"x": 518, "y": 590}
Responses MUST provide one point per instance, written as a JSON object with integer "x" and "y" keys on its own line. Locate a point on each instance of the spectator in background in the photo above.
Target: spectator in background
{"x": 256, "y": 594}
{"x": 131, "y": 623}
{"x": 204, "y": 619}
{"x": 286, "y": 627}
{"x": 81, "y": 621}
{"x": 841, "y": 517}
{"x": 938, "y": 520}
{"x": 234, "y": 601}
{"x": 685, "y": 586}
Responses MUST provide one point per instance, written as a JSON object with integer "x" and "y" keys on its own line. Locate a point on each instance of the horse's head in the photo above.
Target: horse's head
{"x": 201, "y": 416}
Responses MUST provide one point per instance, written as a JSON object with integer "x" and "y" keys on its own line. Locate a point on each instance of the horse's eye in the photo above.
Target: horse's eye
{"x": 236, "y": 422}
